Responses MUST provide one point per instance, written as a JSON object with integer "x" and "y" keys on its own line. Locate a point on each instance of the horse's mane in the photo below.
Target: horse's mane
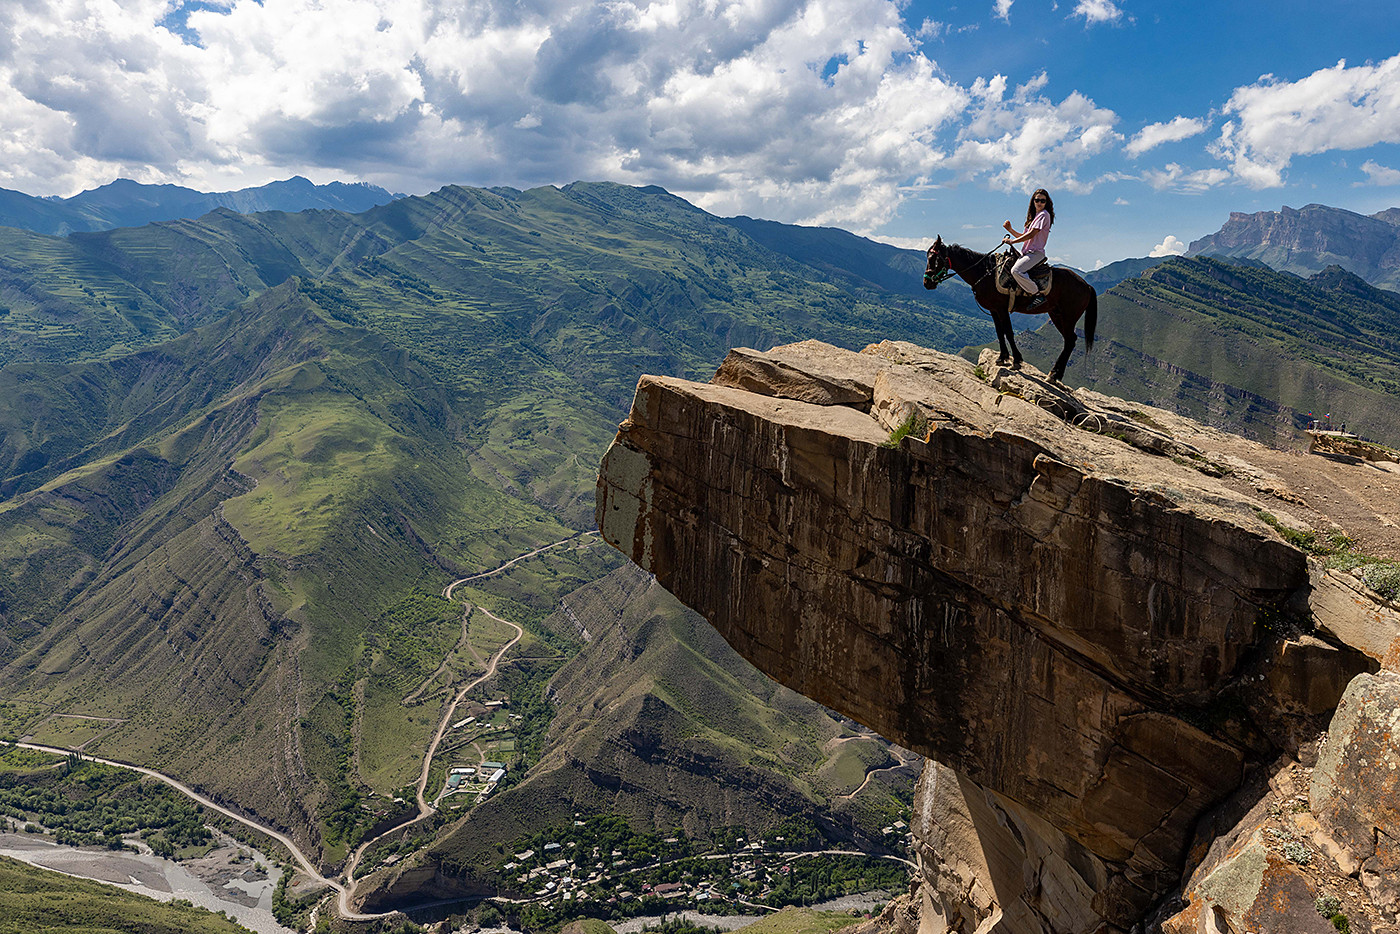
{"x": 966, "y": 255}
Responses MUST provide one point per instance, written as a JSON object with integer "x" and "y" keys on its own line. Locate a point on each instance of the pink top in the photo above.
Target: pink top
{"x": 1041, "y": 225}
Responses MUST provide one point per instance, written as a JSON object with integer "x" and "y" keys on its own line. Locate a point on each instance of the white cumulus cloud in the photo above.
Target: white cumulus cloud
{"x": 1173, "y": 177}
{"x": 1097, "y": 11}
{"x": 1155, "y": 134}
{"x": 1377, "y": 174}
{"x": 1337, "y": 108}
{"x": 812, "y": 111}
{"x": 1024, "y": 140}
{"x": 1170, "y": 246}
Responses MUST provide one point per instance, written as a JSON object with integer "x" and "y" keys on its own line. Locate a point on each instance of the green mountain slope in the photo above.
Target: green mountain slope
{"x": 227, "y": 511}
{"x": 39, "y": 900}
{"x": 660, "y": 721}
{"x": 227, "y": 567}
{"x": 1246, "y": 348}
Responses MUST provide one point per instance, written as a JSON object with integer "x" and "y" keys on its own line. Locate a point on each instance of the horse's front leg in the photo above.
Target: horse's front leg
{"x": 1015, "y": 351}
{"x": 1003, "y": 326}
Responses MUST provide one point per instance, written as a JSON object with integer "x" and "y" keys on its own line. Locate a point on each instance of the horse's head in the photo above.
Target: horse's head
{"x": 939, "y": 266}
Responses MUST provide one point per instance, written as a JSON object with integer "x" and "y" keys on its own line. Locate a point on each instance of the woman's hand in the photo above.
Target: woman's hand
{"x": 1009, "y": 228}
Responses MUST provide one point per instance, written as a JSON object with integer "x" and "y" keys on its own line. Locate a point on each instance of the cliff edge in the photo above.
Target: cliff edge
{"x": 1094, "y": 617}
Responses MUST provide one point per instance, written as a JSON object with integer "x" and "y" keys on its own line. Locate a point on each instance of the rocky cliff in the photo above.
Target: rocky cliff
{"x": 1308, "y": 240}
{"x": 1093, "y": 616}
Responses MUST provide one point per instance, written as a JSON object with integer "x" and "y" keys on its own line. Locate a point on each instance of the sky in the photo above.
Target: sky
{"x": 1149, "y": 122}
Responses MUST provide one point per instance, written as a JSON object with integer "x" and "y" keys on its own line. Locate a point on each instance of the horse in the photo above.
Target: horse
{"x": 1069, "y": 299}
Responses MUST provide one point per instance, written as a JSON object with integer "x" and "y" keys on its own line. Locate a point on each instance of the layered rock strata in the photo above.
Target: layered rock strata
{"x": 1049, "y": 595}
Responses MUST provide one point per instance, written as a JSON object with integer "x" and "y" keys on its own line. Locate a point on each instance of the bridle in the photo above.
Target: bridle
{"x": 932, "y": 277}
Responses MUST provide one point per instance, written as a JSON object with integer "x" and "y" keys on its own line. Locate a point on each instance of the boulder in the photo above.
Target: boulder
{"x": 1355, "y": 791}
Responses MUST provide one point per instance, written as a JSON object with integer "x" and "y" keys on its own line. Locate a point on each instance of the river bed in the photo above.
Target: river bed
{"x": 225, "y": 880}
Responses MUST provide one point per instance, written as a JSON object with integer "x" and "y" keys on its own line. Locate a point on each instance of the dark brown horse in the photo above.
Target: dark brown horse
{"x": 1069, "y": 299}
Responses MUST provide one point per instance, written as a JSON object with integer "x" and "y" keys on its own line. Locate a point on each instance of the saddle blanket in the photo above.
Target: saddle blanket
{"x": 1041, "y": 274}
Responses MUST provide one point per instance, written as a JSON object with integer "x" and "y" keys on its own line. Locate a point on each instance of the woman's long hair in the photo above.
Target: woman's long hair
{"x": 1049, "y": 206}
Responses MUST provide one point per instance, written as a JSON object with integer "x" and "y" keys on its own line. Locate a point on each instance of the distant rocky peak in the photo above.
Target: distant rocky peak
{"x": 1307, "y": 240}
{"x": 1389, "y": 215}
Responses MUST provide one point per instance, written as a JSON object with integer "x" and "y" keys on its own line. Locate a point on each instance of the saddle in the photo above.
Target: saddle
{"x": 1041, "y": 274}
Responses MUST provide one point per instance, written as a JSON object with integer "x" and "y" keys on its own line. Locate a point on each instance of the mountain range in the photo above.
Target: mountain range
{"x": 125, "y": 203}
{"x": 1245, "y": 348}
{"x": 242, "y": 454}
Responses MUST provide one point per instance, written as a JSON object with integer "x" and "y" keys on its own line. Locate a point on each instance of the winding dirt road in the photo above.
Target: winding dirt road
{"x": 425, "y": 809}
{"x": 447, "y": 591}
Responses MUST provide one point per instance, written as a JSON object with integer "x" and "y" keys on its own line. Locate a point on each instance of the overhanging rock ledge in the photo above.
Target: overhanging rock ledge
{"x": 1049, "y": 593}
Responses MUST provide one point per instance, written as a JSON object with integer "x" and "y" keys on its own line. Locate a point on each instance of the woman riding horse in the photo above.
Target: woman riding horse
{"x": 1039, "y": 216}
{"x": 1068, "y": 299}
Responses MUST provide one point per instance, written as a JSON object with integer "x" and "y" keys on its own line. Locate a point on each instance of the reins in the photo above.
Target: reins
{"x": 933, "y": 279}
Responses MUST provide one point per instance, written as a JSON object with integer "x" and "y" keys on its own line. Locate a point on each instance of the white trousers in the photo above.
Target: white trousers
{"x": 1024, "y": 265}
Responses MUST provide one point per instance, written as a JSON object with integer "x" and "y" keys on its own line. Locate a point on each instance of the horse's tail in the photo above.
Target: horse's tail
{"x": 1091, "y": 319}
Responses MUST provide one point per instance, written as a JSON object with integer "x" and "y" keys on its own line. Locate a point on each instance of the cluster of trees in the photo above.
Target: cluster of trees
{"x": 608, "y": 833}
{"x": 651, "y": 859}
{"x": 820, "y": 878}
{"x": 87, "y": 803}
{"x": 524, "y": 682}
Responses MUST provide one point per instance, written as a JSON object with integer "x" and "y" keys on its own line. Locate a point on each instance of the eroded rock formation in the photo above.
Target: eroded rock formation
{"x": 1068, "y": 604}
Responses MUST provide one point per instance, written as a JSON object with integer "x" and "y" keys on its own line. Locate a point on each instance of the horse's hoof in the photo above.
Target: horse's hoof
{"x": 1003, "y": 361}
{"x": 1015, "y": 364}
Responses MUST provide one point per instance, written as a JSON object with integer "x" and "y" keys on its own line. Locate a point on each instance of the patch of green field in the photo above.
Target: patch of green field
{"x": 25, "y": 761}
{"x": 393, "y": 738}
{"x": 33, "y": 900}
{"x": 487, "y": 634}
{"x": 793, "y": 920}
{"x": 17, "y": 718}
{"x": 849, "y": 763}
{"x": 310, "y": 458}
{"x": 70, "y": 732}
